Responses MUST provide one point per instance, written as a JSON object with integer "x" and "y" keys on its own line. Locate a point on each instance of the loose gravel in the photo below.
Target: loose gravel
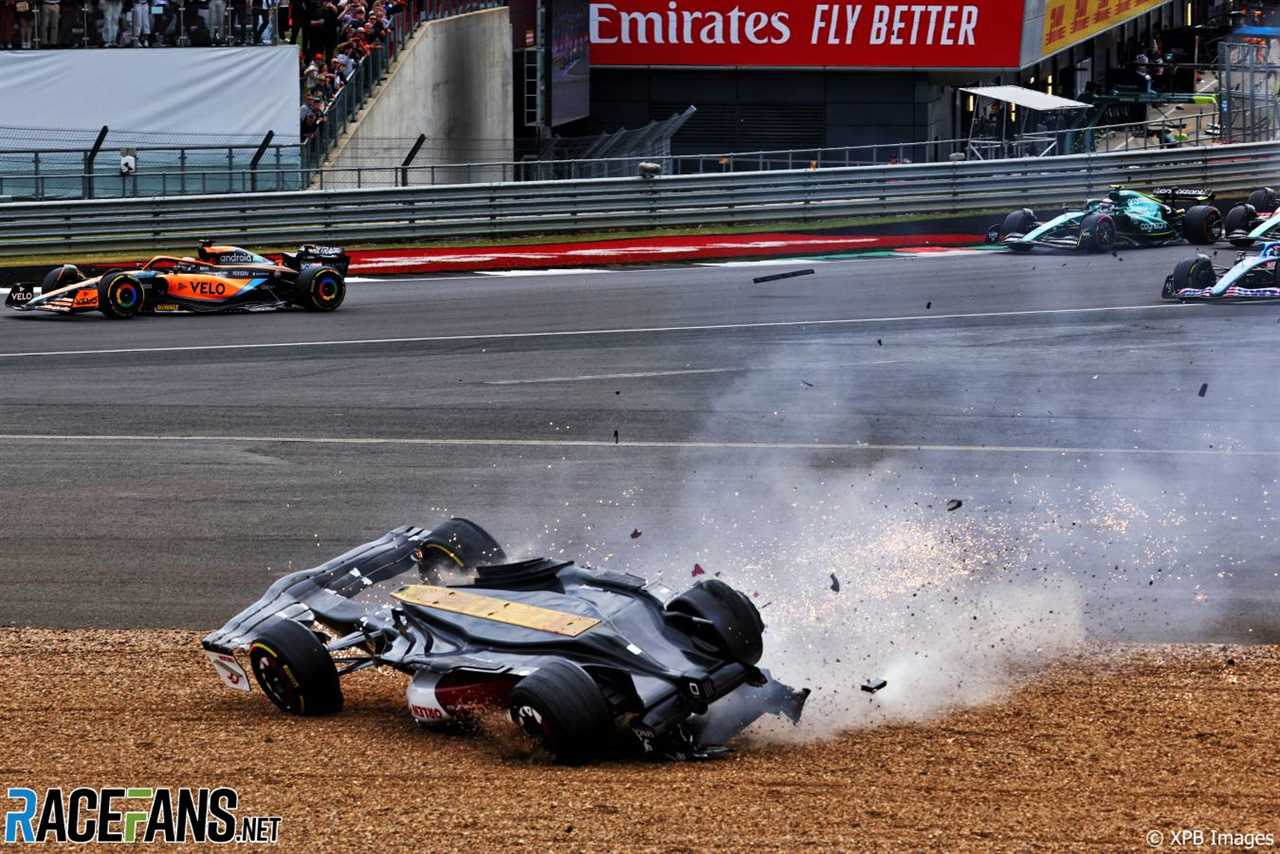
{"x": 1095, "y": 753}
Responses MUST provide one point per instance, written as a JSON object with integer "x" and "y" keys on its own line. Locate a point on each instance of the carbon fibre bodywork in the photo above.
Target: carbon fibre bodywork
{"x": 468, "y": 645}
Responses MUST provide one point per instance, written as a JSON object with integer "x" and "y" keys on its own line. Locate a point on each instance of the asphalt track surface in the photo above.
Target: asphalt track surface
{"x": 160, "y": 472}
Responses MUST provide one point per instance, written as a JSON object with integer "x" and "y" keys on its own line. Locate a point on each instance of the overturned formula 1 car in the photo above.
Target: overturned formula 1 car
{"x": 219, "y": 279}
{"x": 1121, "y": 219}
{"x": 1252, "y": 277}
{"x": 586, "y": 662}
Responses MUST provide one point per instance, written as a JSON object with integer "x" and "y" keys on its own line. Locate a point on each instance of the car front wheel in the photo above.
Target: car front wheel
{"x": 294, "y": 669}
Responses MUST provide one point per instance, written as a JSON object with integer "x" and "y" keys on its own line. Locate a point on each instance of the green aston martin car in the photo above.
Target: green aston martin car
{"x": 1121, "y": 219}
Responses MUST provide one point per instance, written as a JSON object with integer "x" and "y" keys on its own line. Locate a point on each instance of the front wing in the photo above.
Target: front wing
{"x": 1235, "y": 292}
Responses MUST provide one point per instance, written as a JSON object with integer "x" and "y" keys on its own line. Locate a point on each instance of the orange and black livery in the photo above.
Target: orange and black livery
{"x": 219, "y": 279}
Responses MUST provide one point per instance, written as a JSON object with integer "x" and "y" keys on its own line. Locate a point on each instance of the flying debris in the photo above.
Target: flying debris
{"x": 776, "y": 276}
{"x": 873, "y": 685}
{"x": 835, "y": 583}
{"x": 635, "y": 533}
{"x": 698, "y": 570}
{"x": 954, "y": 504}
{"x": 1204, "y": 388}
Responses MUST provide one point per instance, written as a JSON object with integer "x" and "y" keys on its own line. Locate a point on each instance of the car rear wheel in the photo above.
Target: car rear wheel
{"x": 1018, "y": 222}
{"x": 1202, "y": 225}
{"x": 321, "y": 289}
{"x": 719, "y": 617}
{"x": 1194, "y": 272}
{"x": 294, "y": 670}
{"x": 457, "y": 544}
{"x": 120, "y": 296}
{"x": 1265, "y": 199}
{"x": 1100, "y": 232}
{"x": 564, "y": 711}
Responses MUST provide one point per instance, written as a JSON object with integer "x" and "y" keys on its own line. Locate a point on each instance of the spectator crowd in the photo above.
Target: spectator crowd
{"x": 321, "y": 26}
{"x": 336, "y": 37}
{"x": 27, "y": 24}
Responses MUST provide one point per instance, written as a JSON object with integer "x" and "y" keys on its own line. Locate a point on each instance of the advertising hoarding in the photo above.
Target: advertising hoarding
{"x": 568, "y": 54}
{"x": 209, "y": 95}
{"x": 775, "y": 34}
{"x": 1069, "y": 21}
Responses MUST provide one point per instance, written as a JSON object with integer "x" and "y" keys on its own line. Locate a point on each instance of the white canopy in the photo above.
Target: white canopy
{"x": 1029, "y": 98}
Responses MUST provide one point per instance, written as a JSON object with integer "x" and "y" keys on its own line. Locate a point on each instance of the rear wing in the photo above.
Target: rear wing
{"x": 1183, "y": 194}
{"x": 310, "y": 254}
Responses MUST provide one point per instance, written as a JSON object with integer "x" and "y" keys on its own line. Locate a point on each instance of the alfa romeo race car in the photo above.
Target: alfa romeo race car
{"x": 1250, "y": 278}
{"x": 1121, "y": 219}
{"x": 1257, "y": 219}
{"x": 219, "y": 279}
{"x": 586, "y": 662}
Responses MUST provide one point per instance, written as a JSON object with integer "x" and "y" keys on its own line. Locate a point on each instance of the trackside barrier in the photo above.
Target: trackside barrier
{"x": 551, "y": 207}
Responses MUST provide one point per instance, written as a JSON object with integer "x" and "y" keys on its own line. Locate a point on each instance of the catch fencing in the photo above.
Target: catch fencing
{"x": 499, "y": 210}
{"x": 29, "y": 175}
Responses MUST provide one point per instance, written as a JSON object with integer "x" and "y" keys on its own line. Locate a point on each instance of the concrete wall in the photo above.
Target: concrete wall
{"x": 453, "y": 82}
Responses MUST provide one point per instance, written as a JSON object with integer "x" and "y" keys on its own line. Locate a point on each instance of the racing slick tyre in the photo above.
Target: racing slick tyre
{"x": 1100, "y": 231}
{"x": 321, "y": 289}
{"x": 1239, "y": 221}
{"x": 562, "y": 708}
{"x": 1202, "y": 225}
{"x": 1265, "y": 199}
{"x": 120, "y": 296}
{"x": 1194, "y": 272}
{"x": 722, "y": 618}
{"x": 294, "y": 669}
{"x": 60, "y": 277}
{"x": 1018, "y": 222}
{"x": 457, "y": 544}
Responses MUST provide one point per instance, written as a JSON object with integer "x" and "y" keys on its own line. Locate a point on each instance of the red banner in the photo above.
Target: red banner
{"x": 773, "y": 33}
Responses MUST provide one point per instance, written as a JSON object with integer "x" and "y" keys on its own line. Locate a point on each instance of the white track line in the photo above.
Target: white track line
{"x": 630, "y": 376}
{"x": 764, "y": 262}
{"x": 586, "y": 333}
{"x": 551, "y": 271}
{"x": 673, "y": 445}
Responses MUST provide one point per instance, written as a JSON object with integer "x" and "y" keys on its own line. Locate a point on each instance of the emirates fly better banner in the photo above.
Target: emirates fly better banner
{"x": 775, "y": 33}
